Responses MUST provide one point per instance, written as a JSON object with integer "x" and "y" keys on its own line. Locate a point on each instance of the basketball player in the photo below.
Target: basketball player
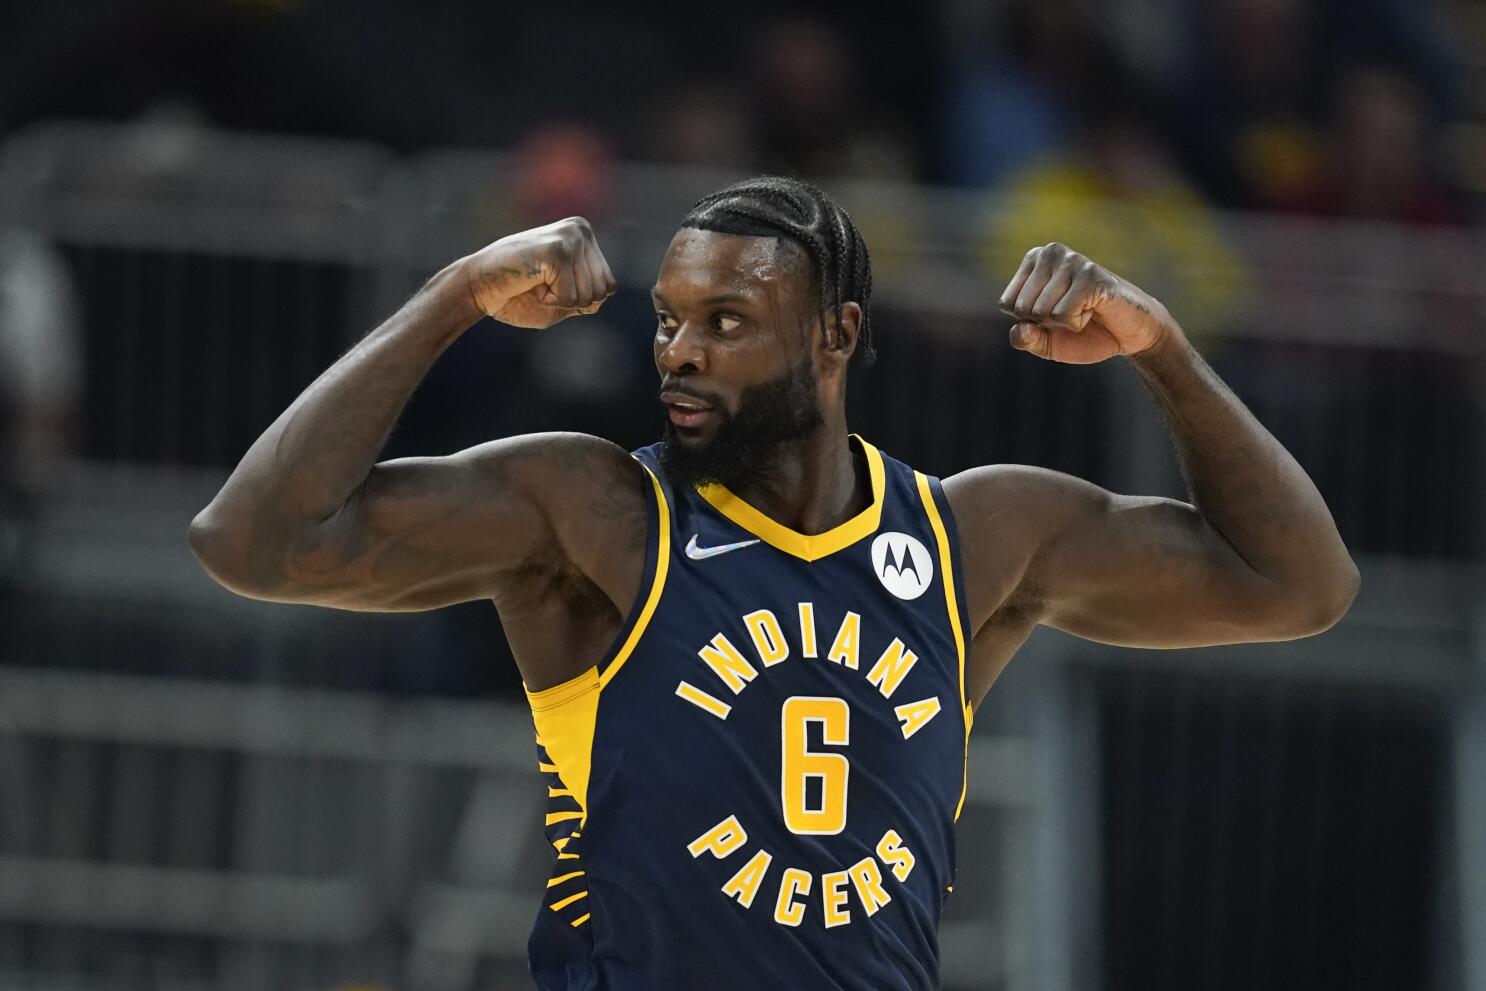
{"x": 753, "y": 650}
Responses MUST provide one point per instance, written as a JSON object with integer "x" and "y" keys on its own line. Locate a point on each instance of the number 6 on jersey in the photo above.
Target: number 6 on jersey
{"x": 799, "y": 764}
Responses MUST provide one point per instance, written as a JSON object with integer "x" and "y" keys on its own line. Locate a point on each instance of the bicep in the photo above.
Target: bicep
{"x": 1129, "y": 570}
{"x": 1144, "y": 571}
{"x": 420, "y": 533}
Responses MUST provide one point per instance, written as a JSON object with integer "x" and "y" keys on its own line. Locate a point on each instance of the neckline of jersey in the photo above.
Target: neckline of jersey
{"x": 806, "y": 546}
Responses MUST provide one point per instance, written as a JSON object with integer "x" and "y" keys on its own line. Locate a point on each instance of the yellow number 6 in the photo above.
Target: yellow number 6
{"x": 799, "y": 764}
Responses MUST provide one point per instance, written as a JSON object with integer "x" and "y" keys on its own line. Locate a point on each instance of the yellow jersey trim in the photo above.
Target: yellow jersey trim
{"x": 946, "y": 568}
{"x": 557, "y": 695}
{"x": 806, "y": 546}
{"x": 559, "y": 906}
{"x": 662, "y": 564}
{"x": 564, "y": 717}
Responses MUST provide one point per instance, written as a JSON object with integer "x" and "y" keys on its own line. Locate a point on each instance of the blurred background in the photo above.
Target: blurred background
{"x": 203, "y": 203}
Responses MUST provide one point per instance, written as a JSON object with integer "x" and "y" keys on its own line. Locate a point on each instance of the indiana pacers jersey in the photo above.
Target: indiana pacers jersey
{"x": 757, "y": 787}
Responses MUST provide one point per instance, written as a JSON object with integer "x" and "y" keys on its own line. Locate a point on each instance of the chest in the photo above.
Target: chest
{"x": 750, "y": 648}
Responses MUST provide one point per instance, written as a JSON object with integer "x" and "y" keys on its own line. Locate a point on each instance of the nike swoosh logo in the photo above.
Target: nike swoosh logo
{"x": 702, "y": 553}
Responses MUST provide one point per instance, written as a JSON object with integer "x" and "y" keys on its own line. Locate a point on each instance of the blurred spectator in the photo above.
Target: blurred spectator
{"x": 704, "y": 125}
{"x": 1250, "y": 108}
{"x": 581, "y": 370}
{"x": 568, "y": 377}
{"x": 814, "y": 118}
{"x": 1374, "y": 164}
{"x": 1009, "y": 103}
{"x": 40, "y": 392}
{"x": 1417, "y": 37}
{"x": 1283, "y": 94}
{"x": 40, "y": 361}
{"x": 563, "y": 170}
{"x": 1119, "y": 197}
{"x": 802, "y": 94}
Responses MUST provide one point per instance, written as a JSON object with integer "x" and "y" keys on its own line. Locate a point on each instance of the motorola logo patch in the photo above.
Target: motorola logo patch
{"x": 902, "y": 563}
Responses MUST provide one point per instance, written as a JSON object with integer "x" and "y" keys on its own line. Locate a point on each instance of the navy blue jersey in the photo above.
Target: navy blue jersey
{"x": 757, "y": 786}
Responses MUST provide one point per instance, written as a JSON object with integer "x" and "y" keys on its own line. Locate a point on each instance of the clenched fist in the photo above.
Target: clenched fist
{"x": 1071, "y": 309}
{"x": 538, "y": 277}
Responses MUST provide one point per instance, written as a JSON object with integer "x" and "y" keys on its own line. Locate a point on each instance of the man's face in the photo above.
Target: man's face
{"x": 736, "y": 320}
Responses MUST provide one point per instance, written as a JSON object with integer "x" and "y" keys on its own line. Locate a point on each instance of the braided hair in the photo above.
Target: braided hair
{"x": 796, "y": 211}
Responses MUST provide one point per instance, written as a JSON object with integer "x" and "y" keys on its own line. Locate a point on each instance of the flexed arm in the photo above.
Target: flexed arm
{"x": 309, "y": 516}
{"x": 1254, "y": 555}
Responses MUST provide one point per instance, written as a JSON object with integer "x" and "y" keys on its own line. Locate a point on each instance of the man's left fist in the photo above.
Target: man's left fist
{"x": 1070, "y": 309}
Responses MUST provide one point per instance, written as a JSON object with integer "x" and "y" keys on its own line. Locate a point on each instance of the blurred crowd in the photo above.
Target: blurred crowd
{"x": 1329, "y": 108}
{"x": 1368, "y": 109}
{"x": 1347, "y": 108}
{"x": 1365, "y": 108}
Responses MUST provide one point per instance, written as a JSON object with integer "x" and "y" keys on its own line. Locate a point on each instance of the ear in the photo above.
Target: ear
{"x": 841, "y": 335}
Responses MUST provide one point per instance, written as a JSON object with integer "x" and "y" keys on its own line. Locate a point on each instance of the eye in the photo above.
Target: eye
{"x": 726, "y": 322}
{"x": 665, "y": 321}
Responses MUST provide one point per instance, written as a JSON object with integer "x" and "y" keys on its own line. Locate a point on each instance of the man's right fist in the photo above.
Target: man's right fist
{"x": 538, "y": 277}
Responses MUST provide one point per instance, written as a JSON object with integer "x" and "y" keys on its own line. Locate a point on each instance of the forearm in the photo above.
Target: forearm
{"x": 312, "y": 458}
{"x": 1247, "y": 487}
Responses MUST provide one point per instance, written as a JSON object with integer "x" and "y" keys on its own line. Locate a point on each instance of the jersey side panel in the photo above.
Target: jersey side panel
{"x": 565, "y": 717}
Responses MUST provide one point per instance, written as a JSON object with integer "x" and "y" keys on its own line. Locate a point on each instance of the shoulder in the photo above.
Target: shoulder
{"x": 588, "y": 494}
{"x": 592, "y": 500}
{"x": 596, "y": 494}
{"x": 518, "y": 492}
{"x": 558, "y": 461}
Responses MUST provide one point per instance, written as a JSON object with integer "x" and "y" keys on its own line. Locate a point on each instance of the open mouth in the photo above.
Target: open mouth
{"x": 684, "y": 410}
{"x": 685, "y": 415}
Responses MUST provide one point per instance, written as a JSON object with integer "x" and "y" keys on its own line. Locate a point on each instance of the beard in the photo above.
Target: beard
{"x": 771, "y": 415}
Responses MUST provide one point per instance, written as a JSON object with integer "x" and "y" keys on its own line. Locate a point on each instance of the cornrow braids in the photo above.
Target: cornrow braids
{"x": 794, "y": 210}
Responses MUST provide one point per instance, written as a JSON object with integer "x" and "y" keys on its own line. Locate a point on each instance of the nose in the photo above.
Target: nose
{"x": 680, "y": 351}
